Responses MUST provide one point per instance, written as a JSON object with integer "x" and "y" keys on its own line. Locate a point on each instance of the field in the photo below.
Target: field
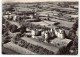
{"x": 32, "y": 17}
{"x": 18, "y": 49}
{"x": 43, "y": 23}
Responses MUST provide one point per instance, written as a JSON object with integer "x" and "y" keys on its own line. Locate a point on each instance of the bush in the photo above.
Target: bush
{"x": 13, "y": 28}
{"x": 6, "y": 39}
{"x": 36, "y": 49}
{"x": 4, "y": 29}
{"x": 63, "y": 51}
{"x": 22, "y": 29}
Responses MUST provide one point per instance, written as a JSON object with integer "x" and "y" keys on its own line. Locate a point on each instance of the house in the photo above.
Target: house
{"x": 6, "y": 15}
{"x": 35, "y": 33}
{"x": 46, "y": 36}
{"x": 27, "y": 12}
{"x": 60, "y": 33}
{"x": 14, "y": 17}
{"x": 61, "y": 42}
{"x": 74, "y": 6}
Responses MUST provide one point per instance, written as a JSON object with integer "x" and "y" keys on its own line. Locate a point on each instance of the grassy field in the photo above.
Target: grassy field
{"x": 18, "y": 49}
{"x": 43, "y": 23}
{"x": 8, "y": 51}
{"x": 64, "y": 23}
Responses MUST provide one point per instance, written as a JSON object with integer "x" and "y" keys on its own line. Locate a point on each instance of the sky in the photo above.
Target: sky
{"x": 3, "y": 1}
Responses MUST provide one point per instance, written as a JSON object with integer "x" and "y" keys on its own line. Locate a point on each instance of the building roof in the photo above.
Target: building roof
{"x": 60, "y": 42}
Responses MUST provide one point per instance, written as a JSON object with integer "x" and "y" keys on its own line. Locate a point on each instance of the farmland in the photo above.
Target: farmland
{"x": 40, "y": 28}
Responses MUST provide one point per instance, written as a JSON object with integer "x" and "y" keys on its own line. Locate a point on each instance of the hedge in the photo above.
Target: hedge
{"x": 36, "y": 49}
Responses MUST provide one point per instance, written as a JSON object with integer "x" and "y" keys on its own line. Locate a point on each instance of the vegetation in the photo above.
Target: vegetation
{"x": 31, "y": 47}
{"x": 63, "y": 51}
{"x": 72, "y": 35}
{"x": 32, "y": 26}
{"x": 6, "y": 26}
{"x": 74, "y": 47}
{"x": 6, "y": 39}
{"x": 13, "y": 28}
{"x": 36, "y": 49}
{"x": 75, "y": 25}
{"x": 22, "y": 29}
{"x": 64, "y": 4}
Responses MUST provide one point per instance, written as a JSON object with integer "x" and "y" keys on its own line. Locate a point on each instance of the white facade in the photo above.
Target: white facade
{"x": 14, "y": 18}
{"x": 59, "y": 33}
{"x": 46, "y": 36}
{"x": 31, "y": 16}
{"x": 33, "y": 36}
{"x": 42, "y": 33}
{"x": 6, "y": 16}
{"x": 33, "y": 33}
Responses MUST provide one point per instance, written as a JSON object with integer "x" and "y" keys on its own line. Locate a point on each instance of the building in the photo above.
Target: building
{"x": 36, "y": 33}
{"x": 61, "y": 42}
{"x": 7, "y": 15}
{"x": 46, "y": 36}
{"x": 28, "y": 15}
{"x": 33, "y": 33}
{"x": 14, "y": 17}
{"x": 74, "y": 6}
{"x": 60, "y": 33}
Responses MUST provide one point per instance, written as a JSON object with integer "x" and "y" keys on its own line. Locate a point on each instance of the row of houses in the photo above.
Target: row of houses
{"x": 28, "y": 15}
{"x": 56, "y": 32}
{"x": 58, "y": 36}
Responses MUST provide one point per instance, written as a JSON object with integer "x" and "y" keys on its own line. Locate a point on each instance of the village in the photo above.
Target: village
{"x": 40, "y": 28}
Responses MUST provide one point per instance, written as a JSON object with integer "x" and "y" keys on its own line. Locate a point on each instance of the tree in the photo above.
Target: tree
{"x": 72, "y": 34}
{"x": 75, "y": 42}
{"x": 4, "y": 29}
{"x": 37, "y": 17}
{"x": 48, "y": 17}
{"x": 22, "y": 43}
{"x": 75, "y": 25}
{"x": 3, "y": 20}
{"x": 13, "y": 28}
{"x": 70, "y": 19}
{"x": 16, "y": 38}
{"x": 64, "y": 4}
{"x": 7, "y": 24}
{"x": 60, "y": 14}
{"x": 22, "y": 29}
{"x": 6, "y": 39}
{"x": 63, "y": 51}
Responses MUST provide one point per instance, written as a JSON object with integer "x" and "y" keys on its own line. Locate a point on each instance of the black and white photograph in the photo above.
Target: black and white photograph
{"x": 31, "y": 27}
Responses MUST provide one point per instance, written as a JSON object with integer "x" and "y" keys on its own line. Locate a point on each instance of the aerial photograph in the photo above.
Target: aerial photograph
{"x": 39, "y": 28}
